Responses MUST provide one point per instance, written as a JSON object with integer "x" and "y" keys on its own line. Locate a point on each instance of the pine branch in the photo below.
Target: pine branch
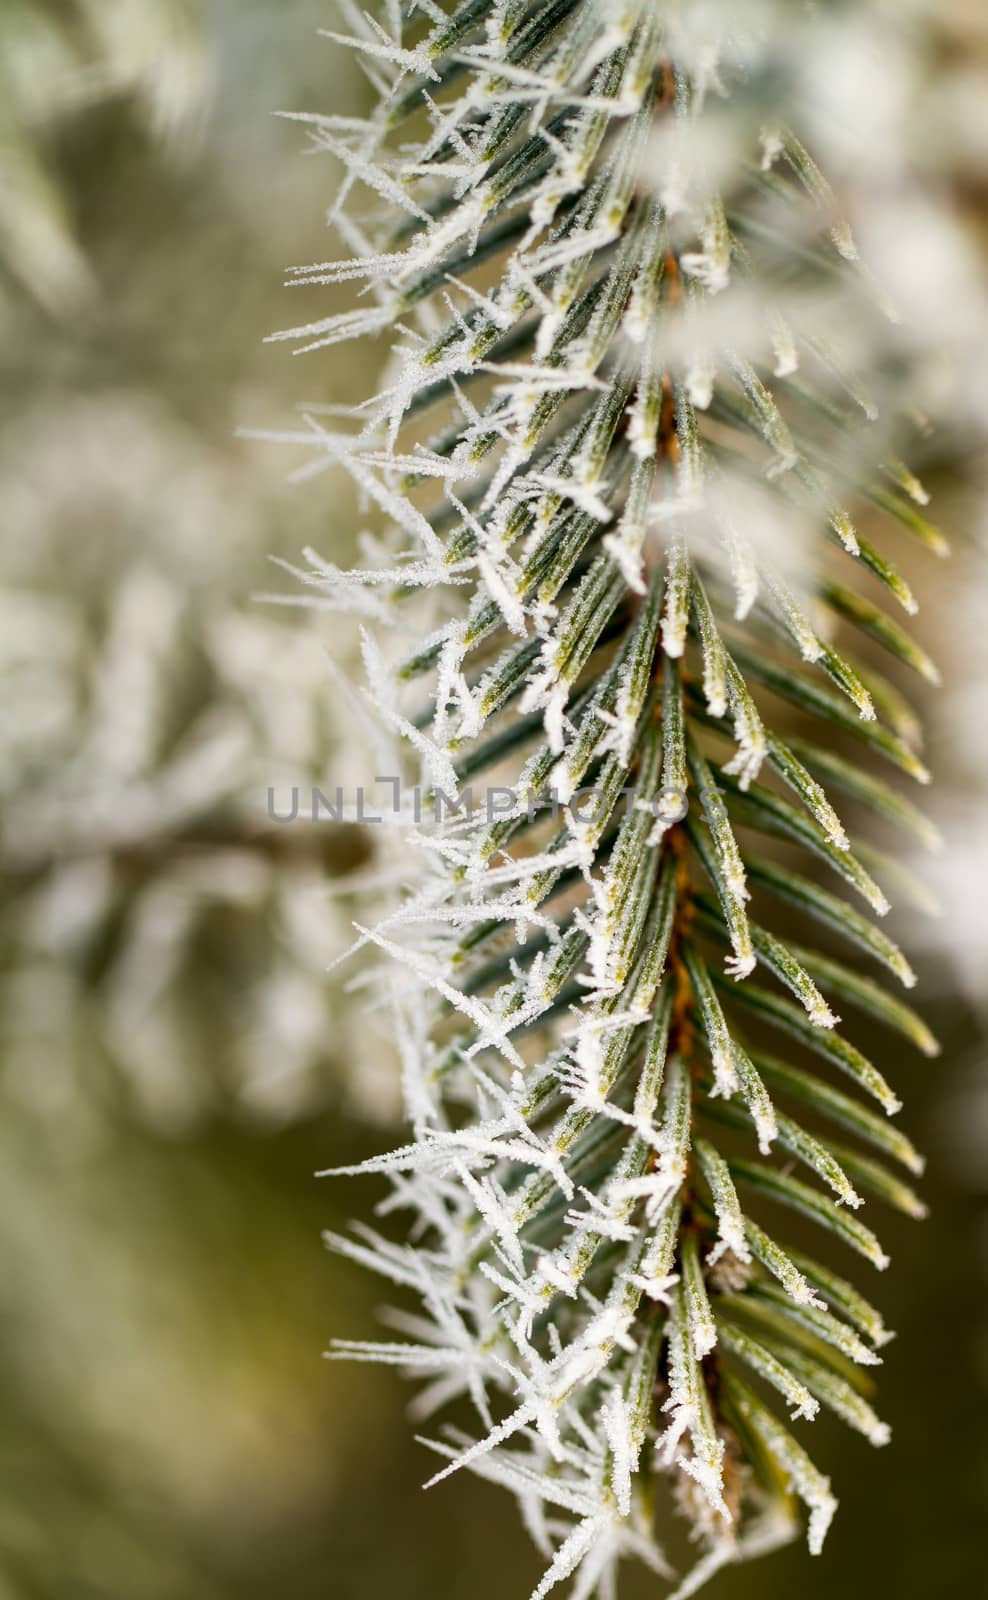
{"x": 621, "y": 455}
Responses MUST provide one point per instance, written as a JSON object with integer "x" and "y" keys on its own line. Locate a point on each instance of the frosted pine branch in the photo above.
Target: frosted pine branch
{"x": 630, "y": 451}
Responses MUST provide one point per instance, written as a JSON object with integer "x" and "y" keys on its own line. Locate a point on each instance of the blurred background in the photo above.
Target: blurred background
{"x": 175, "y": 1061}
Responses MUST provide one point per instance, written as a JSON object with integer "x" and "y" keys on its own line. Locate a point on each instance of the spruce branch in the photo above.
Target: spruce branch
{"x": 630, "y": 475}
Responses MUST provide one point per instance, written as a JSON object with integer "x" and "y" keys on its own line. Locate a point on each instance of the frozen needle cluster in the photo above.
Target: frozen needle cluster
{"x": 629, "y": 454}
